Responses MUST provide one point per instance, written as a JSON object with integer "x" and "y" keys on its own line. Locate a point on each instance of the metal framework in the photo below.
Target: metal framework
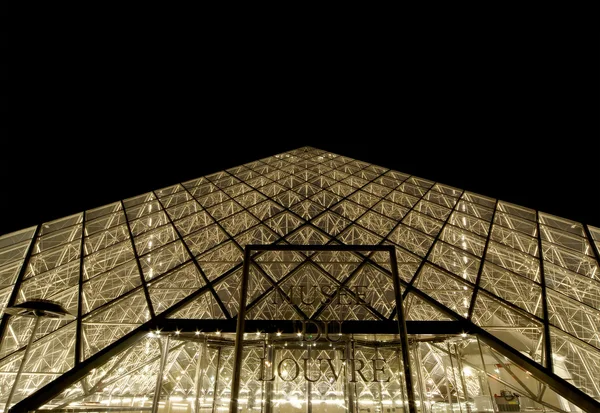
{"x": 468, "y": 295}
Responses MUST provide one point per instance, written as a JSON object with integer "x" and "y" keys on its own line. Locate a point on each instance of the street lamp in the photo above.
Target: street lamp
{"x": 37, "y": 309}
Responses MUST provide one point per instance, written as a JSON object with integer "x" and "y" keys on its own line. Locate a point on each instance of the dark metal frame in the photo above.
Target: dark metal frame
{"x": 80, "y": 369}
{"x": 17, "y": 287}
{"x": 402, "y": 330}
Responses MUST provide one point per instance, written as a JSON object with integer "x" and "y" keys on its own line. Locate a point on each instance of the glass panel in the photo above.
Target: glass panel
{"x": 445, "y": 289}
{"x": 411, "y": 239}
{"x": 315, "y": 365}
{"x": 469, "y": 223}
{"x": 515, "y": 240}
{"x": 423, "y": 223}
{"x": 513, "y": 288}
{"x": 517, "y": 224}
{"x": 566, "y": 240}
{"x": 307, "y": 209}
{"x": 562, "y": 224}
{"x": 517, "y": 210}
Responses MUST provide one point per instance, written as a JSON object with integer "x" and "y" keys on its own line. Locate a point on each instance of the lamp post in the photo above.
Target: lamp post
{"x": 34, "y": 309}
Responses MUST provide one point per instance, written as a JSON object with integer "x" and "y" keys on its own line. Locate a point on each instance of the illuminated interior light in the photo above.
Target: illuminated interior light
{"x": 278, "y": 333}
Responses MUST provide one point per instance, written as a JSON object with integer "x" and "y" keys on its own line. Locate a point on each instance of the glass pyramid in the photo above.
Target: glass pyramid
{"x": 501, "y": 303}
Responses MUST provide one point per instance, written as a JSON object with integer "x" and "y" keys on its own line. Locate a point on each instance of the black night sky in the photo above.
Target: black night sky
{"x": 514, "y": 117}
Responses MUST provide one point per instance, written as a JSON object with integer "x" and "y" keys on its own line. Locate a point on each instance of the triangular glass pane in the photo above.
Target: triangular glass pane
{"x": 174, "y": 287}
{"x": 575, "y": 318}
{"x": 47, "y": 359}
{"x": 272, "y": 307}
{"x": 331, "y": 223}
{"x": 307, "y": 209}
{"x": 445, "y": 289}
{"x": 110, "y": 323}
{"x": 204, "y": 239}
{"x": 371, "y": 287}
{"x": 238, "y": 223}
{"x": 19, "y": 330}
{"x": 356, "y": 235}
{"x": 307, "y": 235}
{"x": 417, "y": 309}
{"x": 257, "y": 284}
{"x": 518, "y": 330}
{"x": 50, "y": 283}
{"x": 512, "y": 287}
{"x": 455, "y": 260}
{"x": 260, "y": 234}
{"x": 284, "y": 223}
{"x": 277, "y": 264}
{"x": 229, "y": 290}
{"x": 203, "y": 307}
{"x": 265, "y": 209}
{"x": 193, "y": 223}
{"x": 107, "y": 259}
{"x": 349, "y": 210}
{"x": 110, "y": 285}
{"x": 411, "y": 239}
{"x": 221, "y": 259}
{"x": 339, "y": 264}
{"x": 164, "y": 259}
{"x": 153, "y": 240}
{"x": 307, "y": 288}
{"x": 576, "y": 361}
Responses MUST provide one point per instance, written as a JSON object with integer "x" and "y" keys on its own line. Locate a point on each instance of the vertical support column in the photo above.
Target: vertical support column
{"x": 462, "y": 379}
{"x": 22, "y": 365}
{"x": 348, "y": 385}
{"x": 417, "y": 354}
{"x": 449, "y": 407}
{"x": 487, "y": 381}
{"x": 215, "y": 387}
{"x": 239, "y": 335}
{"x": 268, "y": 384}
{"x": 412, "y": 408}
{"x": 547, "y": 345}
{"x": 454, "y": 376}
{"x": 200, "y": 373}
{"x": 308, "y": 397}
{"x": 403, "y": 395}
{"x": 159, "y": 375}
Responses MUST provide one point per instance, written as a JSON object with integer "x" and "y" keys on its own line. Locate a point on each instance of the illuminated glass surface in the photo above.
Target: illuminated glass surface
{"x": 527, "y": 278}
